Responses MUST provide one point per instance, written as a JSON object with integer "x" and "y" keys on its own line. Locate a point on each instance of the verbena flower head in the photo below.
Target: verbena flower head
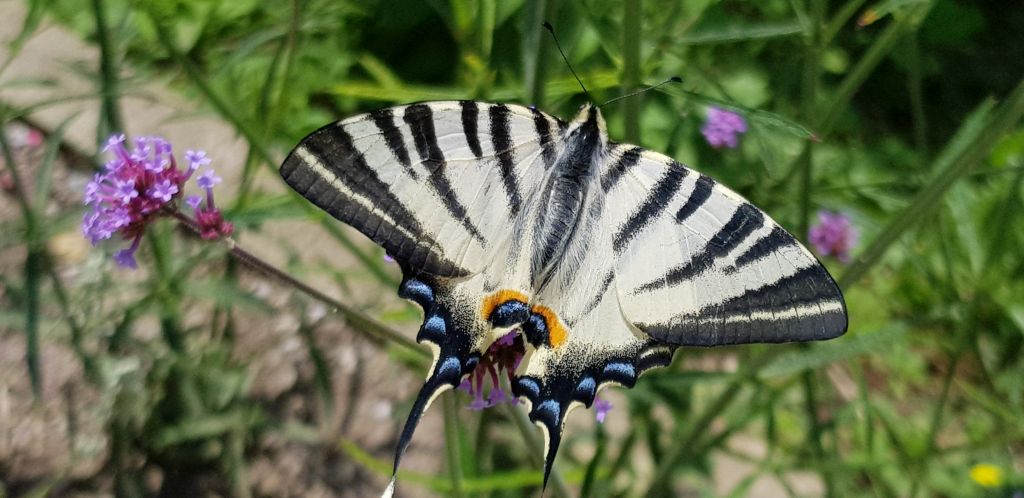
{"x": 723, "y": 128}
{"x": 833, "y": 235}
{"x": 502, "y": 358}
{"x": 137, "y": 186}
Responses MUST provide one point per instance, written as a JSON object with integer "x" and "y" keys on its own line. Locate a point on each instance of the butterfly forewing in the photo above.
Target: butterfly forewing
{"x": 436, "y": 184}
{"x": 710, "y": 268}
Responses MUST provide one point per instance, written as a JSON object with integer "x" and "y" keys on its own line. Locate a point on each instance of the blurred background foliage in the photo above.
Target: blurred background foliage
{"x": 903, "y": 114}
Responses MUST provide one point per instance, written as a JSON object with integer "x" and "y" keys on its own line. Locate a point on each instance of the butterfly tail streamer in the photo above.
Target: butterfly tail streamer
{"x": 453, "y": 359}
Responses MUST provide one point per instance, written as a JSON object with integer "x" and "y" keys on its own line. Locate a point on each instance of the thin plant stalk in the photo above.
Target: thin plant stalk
{"x": 110, "y": 120}
{"x": 377, "y": 331}
{"x": 878, "y": 50}
{"x": 453, "y": 444}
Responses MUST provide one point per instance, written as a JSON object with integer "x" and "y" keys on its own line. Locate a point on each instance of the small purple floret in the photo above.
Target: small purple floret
{"x": 833, "y": 235}
{"x": 162, "y": 191}
{"x": 723, "y": 128}
{"x": 601, "y": 409}
{"x": 208, "y": 179}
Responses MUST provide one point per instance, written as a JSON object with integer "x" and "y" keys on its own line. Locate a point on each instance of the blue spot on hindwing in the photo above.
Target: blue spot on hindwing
{"x": 620, "y": 372}
{"x": 433, "y": 329}
{"x": 450, "y": 370}
{"x": 549, "y": 412}
{"x": 526, "y": 386}
{"x": 435, "y": 324}
{"x": 418, "y": 291}
{"x": 586, "y": 390}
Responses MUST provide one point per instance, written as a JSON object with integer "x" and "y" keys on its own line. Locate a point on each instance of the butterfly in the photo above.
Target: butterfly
{"x": 605, "y": 256}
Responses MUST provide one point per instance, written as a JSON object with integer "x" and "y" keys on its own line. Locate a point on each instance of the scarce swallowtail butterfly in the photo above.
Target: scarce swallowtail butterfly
{"x": 607, "y": 257}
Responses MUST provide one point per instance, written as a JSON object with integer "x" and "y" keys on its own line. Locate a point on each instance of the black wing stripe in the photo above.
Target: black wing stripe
{"x": 744, "y": 221}
{"x": 769, "y": 313}
{"x": 420, "y": 119}
{"x": 385, "y": 121}
{"x": 655, "y": 203}
{"x": 501, "y": 137}
{"x": 774, "y": 241}
{"x": 543, "y": 127}
{"x": 807, "y": 286}
{"x": 701, "y": 193}
{"x": 628, "y": 159}
{"x": 470, "y": 113}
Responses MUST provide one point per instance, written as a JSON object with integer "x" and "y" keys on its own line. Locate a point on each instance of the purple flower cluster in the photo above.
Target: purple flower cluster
{"x": 723, "y": 128}
{"x": 136, "y": 186}
{"x": 833, "y": 235}
{"x": 503, "y": 357}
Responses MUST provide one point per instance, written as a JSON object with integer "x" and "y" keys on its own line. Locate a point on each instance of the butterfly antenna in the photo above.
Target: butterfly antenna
{"x": 674, "y": 79}
{"x": 551, "y": 30}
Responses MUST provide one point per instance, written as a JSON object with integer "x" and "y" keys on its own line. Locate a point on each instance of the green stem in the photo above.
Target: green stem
{"x": 378, "y": 332}
{"x": 632, "y": 31}
{"x": 591, "y": 474}
{"x": 110, "y": 121}
{"x": 814, "y": 429}
{"x": 916, "y": 93}
{"x": 452, "y": 444}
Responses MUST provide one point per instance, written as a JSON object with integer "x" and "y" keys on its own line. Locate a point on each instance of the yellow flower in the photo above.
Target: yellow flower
{"x": 987, "y": 475}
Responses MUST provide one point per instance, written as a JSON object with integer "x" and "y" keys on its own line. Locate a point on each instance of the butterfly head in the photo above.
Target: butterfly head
{"x": 589, "y": 126}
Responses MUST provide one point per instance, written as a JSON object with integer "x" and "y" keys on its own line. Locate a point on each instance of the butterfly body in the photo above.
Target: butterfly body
{"x": 606, "y": 256}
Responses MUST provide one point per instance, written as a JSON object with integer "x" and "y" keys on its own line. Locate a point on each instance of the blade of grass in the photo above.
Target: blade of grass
{"x": 631, "y": 33}
{"x": 733, "y": 33}
{"x": 973, "y": 140}
{"x": 535, "y": 50}
{"x": 34, "y": 258}
{"x": 878, "y": 50}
